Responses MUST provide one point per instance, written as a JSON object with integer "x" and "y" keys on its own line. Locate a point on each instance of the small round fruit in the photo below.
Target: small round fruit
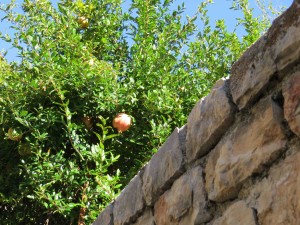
{"x": 14, "y": 135}
{"x": 88, "y": 122}
{"x": 122, "y": 122}
{"x": 83, "y": 22}
{"x": 24, "y": 149}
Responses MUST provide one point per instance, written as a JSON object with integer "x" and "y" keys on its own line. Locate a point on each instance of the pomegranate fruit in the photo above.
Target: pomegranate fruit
{"x": 88, "y": 122}
{"x": 83, "y": 21}
{"x": 122, "y": 122}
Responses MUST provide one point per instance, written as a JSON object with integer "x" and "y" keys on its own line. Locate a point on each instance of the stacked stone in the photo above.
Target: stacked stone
{"x": 236, "y": 161}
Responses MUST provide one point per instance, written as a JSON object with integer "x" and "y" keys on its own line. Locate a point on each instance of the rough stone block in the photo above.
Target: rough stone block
{"x": 277, "y": 198}
{"x": 291, "y": 94}
{"x": 105, "y": 217}
{"x": 275, "y": 51}
{"x": 164, "y": 167}
{"x": 129, "y": 203}
{"x": 251, "y": 73}
{"x": 146, "y": 219}
{"x": 253, "y": 143}
{"x": 208, "y": 121}
{"x": 238, "y": 214}
{"x": 284, "y": 37}
{"x": 185, "y": 203}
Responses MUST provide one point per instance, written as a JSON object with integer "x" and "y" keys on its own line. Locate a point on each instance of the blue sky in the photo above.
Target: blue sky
{"x": 218, "y": 10}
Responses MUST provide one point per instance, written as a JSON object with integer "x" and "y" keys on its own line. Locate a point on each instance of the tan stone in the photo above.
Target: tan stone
{"x": 173, "y": 204}
{"x": 251, "y": 145}
{"x": 185, "y": 203}
{"x": 198, "y": 214}
{"x": 278, "y": 49}
{"x": 146, "y": 219}
{"x": 208, "y": 121}
{"x": 130, "y": 202}
{"x": 164, "y": 167}
{"x": 284, "y": 38}
{"x": 251, "y": 73}
{"x": 277, "y": 198}
{"x": 105, "y": 217}
{"x": 237, "y": 214}
{"x": 291, "y": 93}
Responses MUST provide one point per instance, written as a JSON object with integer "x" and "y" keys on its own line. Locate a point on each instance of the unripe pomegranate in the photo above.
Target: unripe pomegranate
{"x": 88, "y": 122}
{"x": 14, "y": 135}
{"x": 24, "y": 149}
{"x": 83, "y": 22}
{"x": 122, "y": 122}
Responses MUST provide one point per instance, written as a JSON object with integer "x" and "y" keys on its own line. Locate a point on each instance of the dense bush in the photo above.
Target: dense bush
{"x": 83, "y": 62}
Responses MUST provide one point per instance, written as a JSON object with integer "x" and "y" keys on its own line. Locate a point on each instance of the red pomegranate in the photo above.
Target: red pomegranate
{"x": 122, "y": 122}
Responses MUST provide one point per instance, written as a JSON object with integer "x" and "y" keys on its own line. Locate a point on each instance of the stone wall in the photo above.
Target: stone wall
{"x": 237, "y": 160}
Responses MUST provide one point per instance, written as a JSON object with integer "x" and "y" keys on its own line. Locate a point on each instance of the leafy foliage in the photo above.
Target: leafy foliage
{"x": 83, "y": 62}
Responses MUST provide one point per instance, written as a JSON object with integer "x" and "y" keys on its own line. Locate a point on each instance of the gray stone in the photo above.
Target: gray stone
{"x": 105, "y": 217}
{"x": 164, "y": 167}
{"x": 208, "y": 121}
{"x": 253, "y": 144}
{"x": 130, "y": 202}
